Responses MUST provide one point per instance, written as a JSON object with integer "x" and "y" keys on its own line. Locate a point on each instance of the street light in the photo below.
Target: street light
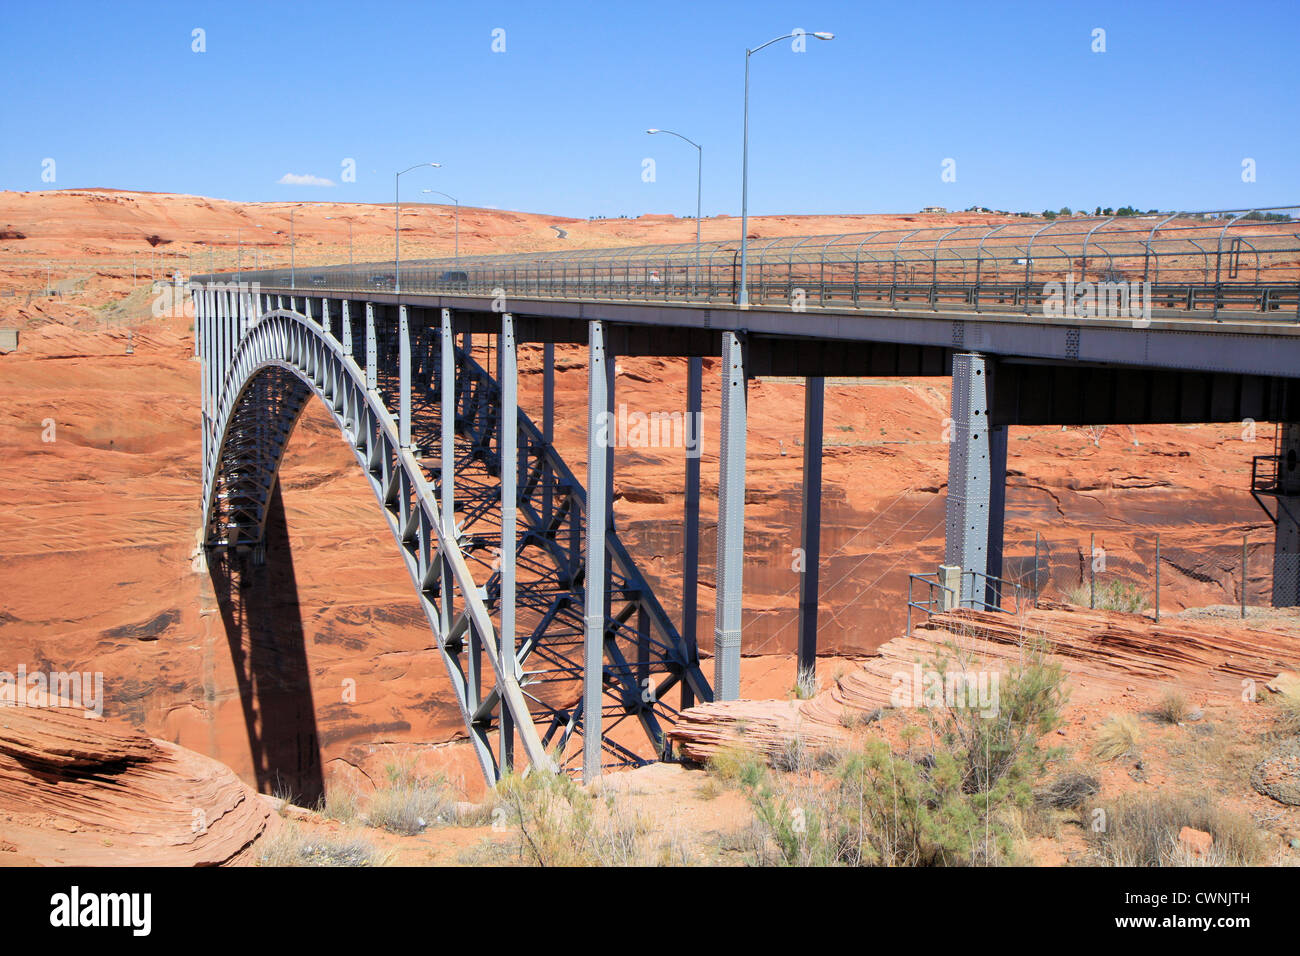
{"x": 699, "y": 182}
{"x": 239, "y": 250}
{"x": 397, "y": 222}
{"x": 743, "y": 297}
{"x": 457, "y": 202}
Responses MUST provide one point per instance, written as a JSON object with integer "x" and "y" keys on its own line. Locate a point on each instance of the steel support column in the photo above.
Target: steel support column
{"x": 509, "y": 439}
{"x": 372, "y": 349}
{"x": 448, "y": 416}
{"x": 598, "y": 437}
{"x": 548, "y": 426}
{"x": 447, "y": 450}
{"x": 202, "y": 351}
{"x": 1286, "y": 541}
{"x": 977, "y": 462}
{"x": 211, "y": 363}
{"x": 810, "y": 539}
{"x": 731, "y": 520}
{"x": 998, "y": 436}
{"x": 403, "y": 377}
{"x": 691, "y": 544}
{"x": 347, "y": 328}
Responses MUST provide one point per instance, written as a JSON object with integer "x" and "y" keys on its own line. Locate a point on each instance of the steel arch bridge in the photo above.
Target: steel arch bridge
{"x": 526, "y": 616}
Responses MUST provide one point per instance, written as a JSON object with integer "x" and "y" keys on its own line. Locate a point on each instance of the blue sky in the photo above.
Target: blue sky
{"x": 1013, "y": 92}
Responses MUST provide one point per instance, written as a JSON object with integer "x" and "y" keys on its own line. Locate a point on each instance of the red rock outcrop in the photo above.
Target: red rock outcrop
{"x": 1104, "y": 654}
{"x": 76, "y": 790}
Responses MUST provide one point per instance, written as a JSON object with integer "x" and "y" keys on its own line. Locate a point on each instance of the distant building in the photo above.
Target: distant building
{"x": 934, "y": 209}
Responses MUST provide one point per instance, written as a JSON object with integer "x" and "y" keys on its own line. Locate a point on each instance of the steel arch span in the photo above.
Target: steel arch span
{"x": 262, "y": 368}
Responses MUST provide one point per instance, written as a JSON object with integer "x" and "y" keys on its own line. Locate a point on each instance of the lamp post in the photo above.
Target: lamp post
{"x": 293, "y": 278}
{"x": 742, "y": 298}
{"x": 397, "y": 222}
{"x": 699, "y": 183}
{"x": 239, "y": 250}
{"x": 457, "y": 202}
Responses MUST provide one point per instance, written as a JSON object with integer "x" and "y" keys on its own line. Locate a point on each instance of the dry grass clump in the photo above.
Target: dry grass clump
{"x": 1117, "y": 738}
{"x": 291, "y": 847}
{"x": 1067, "y": 792}
{"x": 1287, "y": 704}
{"x": 733, "y": 763}
{"x": 552, "y": 821}
{"x": 341, "y": 803}
{"x": 410, "y": 802}
{"x": 797, "y": 755}
{"x": 1172, "y": 708}
{"x": 1142, "y": 830}
{"x": 710, "y": 789}
{"x": 1111, "y": 596}
{"x": 806, "y": 684}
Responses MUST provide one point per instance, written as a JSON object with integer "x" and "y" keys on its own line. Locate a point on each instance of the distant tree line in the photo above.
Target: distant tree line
{"x": 1065, "y": 211}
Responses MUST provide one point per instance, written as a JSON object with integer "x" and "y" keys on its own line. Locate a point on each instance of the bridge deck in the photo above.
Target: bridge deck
{"x": 1207, "y": 291}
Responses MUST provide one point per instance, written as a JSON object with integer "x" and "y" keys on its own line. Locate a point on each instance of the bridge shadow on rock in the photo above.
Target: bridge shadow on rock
{"x": 263, "y": 623}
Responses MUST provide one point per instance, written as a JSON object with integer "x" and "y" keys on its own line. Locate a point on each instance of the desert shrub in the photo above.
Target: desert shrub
{"x": 1112, "y": 596}
{"x": 1118, "y": 737}
{"x": 478, "y": 814}
{"x": 917, "y": 814}
{"x": 1172, "y": 708}
{"x": 409, "y": 802}
{"x": 1035, "y": 820}
{"x": 797, "y": 820}
{"x": 284, "y": 794}
{"x": 1287, "y": 704}
{"x": 797, "y": 755}
{"x": 1067, "y": 792}
{"x": 1002, "y": 742}
{"x": 291, "y": 847}
{"x": 853, "y": 719}
{"x": 340, "y": 803}
{"x": 710, "y": 789}
{"x": 555, "y": 822}
{"x": 951, "y": 806}
{"x": 1142, "y": 830}
{"x": 734, "y": 763}
{"x": 806, "y": 683}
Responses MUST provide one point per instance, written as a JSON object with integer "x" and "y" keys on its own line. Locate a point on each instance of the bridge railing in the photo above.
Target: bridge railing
{"x": 1223, "y": 260}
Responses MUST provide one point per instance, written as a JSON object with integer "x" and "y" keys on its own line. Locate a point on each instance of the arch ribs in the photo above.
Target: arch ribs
{"x": 262, "y": 365}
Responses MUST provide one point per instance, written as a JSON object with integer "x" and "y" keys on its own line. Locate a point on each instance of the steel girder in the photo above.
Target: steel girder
{"x": 283, "y": 359}
{"x": 645, "y": 655}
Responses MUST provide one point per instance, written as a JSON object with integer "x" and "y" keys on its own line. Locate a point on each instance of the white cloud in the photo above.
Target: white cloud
{"x": 306, "y": 179}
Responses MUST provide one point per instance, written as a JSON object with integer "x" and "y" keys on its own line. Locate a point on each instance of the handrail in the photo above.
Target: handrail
{"x": 1174, "y": 249}
{"x": 1083, "y": 259}
{"x": 1218, "y": 259}
{"x": 961, "y": 597}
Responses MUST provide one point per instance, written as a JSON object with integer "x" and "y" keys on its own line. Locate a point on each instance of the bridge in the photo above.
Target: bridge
{"x": 1170, "y": 318}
